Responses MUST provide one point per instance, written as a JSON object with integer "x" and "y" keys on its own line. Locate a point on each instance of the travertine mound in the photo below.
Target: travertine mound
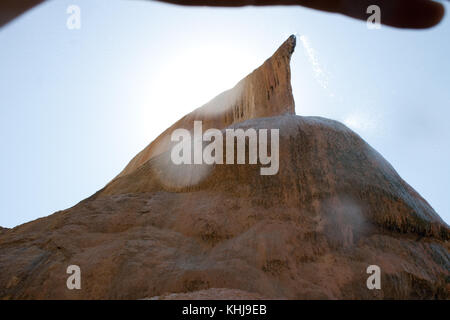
{"x": 263, "y": 93}
{"x": 310, "y": 232}
{"x": 211, "y": 294}
{"x": 2, "y": 230}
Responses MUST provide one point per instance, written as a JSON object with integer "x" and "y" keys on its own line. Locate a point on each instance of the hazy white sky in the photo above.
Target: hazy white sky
{"x": 77, "y": 105}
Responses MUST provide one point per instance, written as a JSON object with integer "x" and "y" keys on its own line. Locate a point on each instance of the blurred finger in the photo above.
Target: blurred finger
{"x": 10, "y": 9}
{"x": 396, "y": 13}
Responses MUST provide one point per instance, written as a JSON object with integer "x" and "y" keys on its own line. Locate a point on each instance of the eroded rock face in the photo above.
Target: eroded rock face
{"x": 265, "y": 92}
{"x": 2, "y": 230}
{"x": 211, "y": 294}
{"x": 310, "y": 232}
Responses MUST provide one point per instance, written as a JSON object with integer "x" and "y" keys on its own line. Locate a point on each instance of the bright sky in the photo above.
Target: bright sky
{"x": 77, "y": 105}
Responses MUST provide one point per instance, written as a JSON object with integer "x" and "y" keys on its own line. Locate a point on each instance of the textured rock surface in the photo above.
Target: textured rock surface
{"x": 213, "y": 293}
{"x": 334, "y": 208}
{"x": 263, "y": 93}
{"x": 2, "y": 230}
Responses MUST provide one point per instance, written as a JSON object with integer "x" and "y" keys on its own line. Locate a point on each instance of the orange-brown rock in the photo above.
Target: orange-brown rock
{"x": 335, "y": 207}
{"x": 263, "y": 93}
{"x": 211, "y": 294}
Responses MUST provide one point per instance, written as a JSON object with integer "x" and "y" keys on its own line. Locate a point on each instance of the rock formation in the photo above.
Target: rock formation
{"x": 335, "y": 207}
{"x": 2, "y": 230}
{"x": 211, "y": 294}
{"x": 263, "y": 93}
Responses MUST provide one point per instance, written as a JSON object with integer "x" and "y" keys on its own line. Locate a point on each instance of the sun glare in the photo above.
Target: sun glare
{"x": 194, "y": 76}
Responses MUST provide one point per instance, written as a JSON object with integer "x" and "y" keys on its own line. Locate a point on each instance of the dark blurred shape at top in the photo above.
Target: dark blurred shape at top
{"x": 414, "y": 14}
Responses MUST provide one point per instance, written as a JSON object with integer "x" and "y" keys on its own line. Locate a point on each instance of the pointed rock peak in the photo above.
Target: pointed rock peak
{"x": 266, "y": 92}
{"x": 288, "y": 47}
